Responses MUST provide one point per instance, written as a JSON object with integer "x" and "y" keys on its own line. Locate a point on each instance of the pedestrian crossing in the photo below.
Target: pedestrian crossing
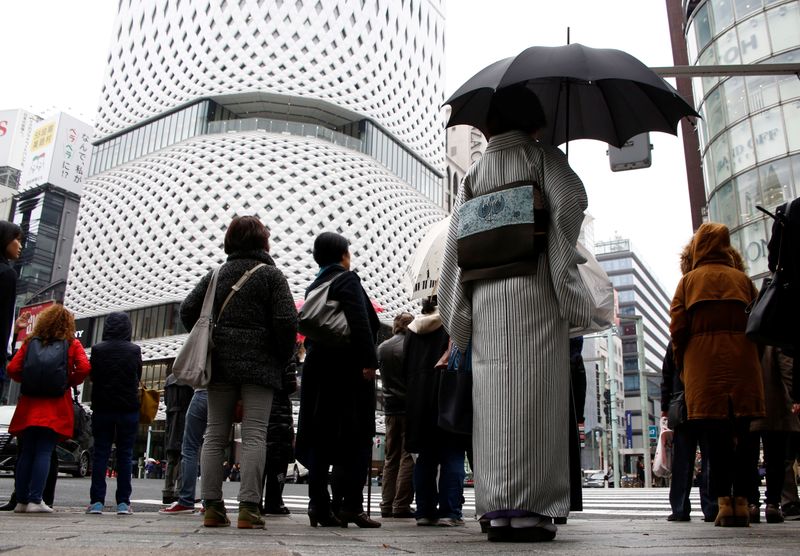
{"x": 597, "y": 502}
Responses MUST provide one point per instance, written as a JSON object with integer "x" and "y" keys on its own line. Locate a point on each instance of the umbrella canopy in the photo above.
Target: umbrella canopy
{"x": 586, "y": 93}
{"x": 426, "y": 266}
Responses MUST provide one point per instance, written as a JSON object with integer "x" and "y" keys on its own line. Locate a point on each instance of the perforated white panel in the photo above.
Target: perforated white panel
{"x": 149, "y": 229}
{"x": 380, "y": 58}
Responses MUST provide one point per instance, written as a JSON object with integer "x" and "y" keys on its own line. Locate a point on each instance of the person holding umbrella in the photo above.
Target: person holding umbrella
{"x": 510, "y": 284}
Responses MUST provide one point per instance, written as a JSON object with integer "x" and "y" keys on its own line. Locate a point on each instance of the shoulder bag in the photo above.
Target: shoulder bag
{"x": 455, "y": 393}
{"x": 771, "y": 321}
{"x": 148, "y": 404}
{"x": 322, "y": 319}
{"x": 192, "y": 365}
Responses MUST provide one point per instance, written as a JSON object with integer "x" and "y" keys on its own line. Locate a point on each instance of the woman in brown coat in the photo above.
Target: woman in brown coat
{"x": 720, "y": 366}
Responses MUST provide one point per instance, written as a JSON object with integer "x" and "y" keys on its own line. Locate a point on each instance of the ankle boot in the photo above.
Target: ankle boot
{"x": 773, "y": 514}
{"x": 725, "y": 514}
{"x": 741, "y": 511}
{"x": 249, "y": 516}
{"x": 215, "y": 514}
{"x": 362, "y": 520}
{"x": 753, "y": 514}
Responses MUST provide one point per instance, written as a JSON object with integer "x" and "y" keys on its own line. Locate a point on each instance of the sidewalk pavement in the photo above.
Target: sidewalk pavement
{"x": 71, "y": 532}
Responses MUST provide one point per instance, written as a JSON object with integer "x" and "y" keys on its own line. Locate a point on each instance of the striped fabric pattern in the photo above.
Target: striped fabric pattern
{"x": 519, "y": 330}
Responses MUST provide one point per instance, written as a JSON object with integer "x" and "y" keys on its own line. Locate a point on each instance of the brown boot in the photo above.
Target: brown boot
{"x": 725, "y": 514}
{"x": 773, "y": 514}
{"x": 741, "y": 512}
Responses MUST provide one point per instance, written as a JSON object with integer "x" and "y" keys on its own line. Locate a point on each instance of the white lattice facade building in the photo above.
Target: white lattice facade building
{"x": 314, "y": 115}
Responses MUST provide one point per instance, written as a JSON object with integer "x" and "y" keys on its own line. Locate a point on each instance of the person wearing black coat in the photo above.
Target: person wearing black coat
{"x": 685, "y": 439}
{"x": 116, "y": 371}
{"x": 336, "y": 424}
{"x": 253, "y": 342}
{"x": 177, "y": 398}
{"x": 280, "y": 443}
{"x": 441, "y": 453}
{"x": 10, "y": 250}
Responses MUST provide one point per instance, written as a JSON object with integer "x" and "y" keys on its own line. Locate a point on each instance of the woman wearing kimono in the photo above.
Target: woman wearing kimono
{"x": 517, "y": 316}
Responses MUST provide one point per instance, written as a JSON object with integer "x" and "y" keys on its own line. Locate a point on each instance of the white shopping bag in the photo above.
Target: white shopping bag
{"x": 662, "y": 463}
{"x": 602, "y": 291}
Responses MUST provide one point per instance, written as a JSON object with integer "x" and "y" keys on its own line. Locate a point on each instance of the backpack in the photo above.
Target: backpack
{"x": 44, "y": 370}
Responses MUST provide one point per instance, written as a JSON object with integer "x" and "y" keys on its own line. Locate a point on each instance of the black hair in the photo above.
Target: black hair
{"x": 329, "y": 248}
{"x": 8, "y": 233}
{"x": 515, "y": 108}
{"x": 246, "y": 233}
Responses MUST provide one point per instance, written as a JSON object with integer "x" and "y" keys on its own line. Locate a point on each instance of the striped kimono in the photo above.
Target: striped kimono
{"x": 519, "y": 331}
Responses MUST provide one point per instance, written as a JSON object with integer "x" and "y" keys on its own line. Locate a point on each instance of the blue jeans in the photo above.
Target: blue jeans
{"x": 685, "y": 439}
{"x": 33, "y": 463}
{"x": 195, "y": 428}
{"x": 449, "y": 462}
{"x": 119, "y": 428}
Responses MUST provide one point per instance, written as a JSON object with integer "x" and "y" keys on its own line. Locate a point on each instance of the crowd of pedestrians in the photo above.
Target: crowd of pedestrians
{"x": 510, "y": 310}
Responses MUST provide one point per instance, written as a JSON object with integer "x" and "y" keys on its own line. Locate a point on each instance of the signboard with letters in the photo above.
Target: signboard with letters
{"x": 33, "y": 311}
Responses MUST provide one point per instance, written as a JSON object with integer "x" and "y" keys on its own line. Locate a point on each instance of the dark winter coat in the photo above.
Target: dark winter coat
{"x": 393, "y": 378}
{"x": 790, "y": 255}
{"x": 8, "y": 292}
{"x": 177, "y": 398}
{"x": 280, "y": 431}
{"x": 116, "y": 367}
{"x": 337, "y": 405}
{"x": 426, "y": 342}
{"x": 254, "y": 337}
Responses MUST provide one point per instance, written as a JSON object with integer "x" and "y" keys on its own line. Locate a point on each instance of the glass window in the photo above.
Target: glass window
{"x": 723, "y": 14}
{"x": 727, "y": 47}
{"x": 776, "y": 182}
{"x": 746, "y": 7}
{"x": 796, "y": 173}
{"x": 171, "y": 127}
{"x": 691, "y": 45}
{"x": 768, "y": 134}
{"x": 714, "y": 112}
{"x": 791, "y": 114}
{"x": 762, "y": 91}
{"x": 709, "y": 58}
{"x": 783, "y": 27}
{"x": 735, "y": 99}
{"x": 708, "y": 175}
{"x": 721, "y": 156}
{"x": 749, "y": 195}
{"x": 789, "y": 86}
{"x": 754, "y": 247}
{"x": 743, "y": 155}
{"x": 151, "y": 135}
{"x": 702, "y": 27}
{"x": 726, "y": 209}
{"x": 754, "y": 39}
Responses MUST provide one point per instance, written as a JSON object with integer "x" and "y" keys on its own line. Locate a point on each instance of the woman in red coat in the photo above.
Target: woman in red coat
{"x": 42, "y": 421}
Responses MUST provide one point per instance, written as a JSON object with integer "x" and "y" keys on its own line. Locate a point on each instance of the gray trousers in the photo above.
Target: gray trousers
{"x": 256, "y": 404}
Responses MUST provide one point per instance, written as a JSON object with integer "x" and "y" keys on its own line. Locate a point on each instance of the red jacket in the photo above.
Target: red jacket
{"x": 53, "y": 413}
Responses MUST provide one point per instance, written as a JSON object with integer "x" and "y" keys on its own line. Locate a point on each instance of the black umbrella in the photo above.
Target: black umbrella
{"x": 586, "y": 93}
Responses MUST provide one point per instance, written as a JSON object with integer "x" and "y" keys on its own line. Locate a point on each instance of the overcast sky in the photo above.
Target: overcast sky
{"x": 54, "y": 53}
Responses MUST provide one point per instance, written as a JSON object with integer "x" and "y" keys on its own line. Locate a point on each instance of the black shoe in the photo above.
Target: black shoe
{"x": 323, "y": 519}
{"x": 525, "y": 534}
{"x": 560, "y": 520}
{"x": 276, "y": 511}
{"x": 679, "y": 517}
{"x": 791, "y": 511}
{"x": 362, "y": 520}
{"x": 9, "y": 506}
{"x": 169, "y": 499}
{"x": 408, "y": 514}
{"x": 386, "y": 514}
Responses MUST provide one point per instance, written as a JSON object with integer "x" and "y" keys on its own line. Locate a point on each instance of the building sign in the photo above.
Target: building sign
{"x": 84, "y": 329}
{"x": 16, "y": 128}
{"x": 628, "y": 430}
{"x": 59, "y": 154}
{"x": 33, "y": 311}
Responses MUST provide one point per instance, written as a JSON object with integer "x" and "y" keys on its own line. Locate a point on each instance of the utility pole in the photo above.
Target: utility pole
{"x": 613, "y": 408}
{"x": 643, "y": 401}
{"x": 603, "y": 424}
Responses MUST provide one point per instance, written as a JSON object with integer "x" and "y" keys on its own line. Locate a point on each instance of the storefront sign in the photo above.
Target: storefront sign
{"x": 33, "y": 311}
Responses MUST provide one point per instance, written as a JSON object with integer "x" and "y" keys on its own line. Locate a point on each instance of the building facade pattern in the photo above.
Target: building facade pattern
{"x": 380, "y": 58}
{"x": 750, "y": 131}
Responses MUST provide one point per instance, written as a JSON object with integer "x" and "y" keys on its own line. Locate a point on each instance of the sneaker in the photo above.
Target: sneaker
{"x": 249, "y": 516}
{"x": 124, "y": 509}
{"x": 427, "y": 521}
{"x": 176, "y": 508}
{"x": 215, "y": 514}
{"x": 20, "y": 508}
{"x": 95, "y": 508}
{"x": 450, "y": 522}
{"x": 40, "y": 508}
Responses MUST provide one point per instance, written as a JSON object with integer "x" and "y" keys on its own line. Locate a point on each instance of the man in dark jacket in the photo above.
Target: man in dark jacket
{"x": 685, "y": 439}
{"x": 177, "y": 398}
{"x": 397, "y": 488}
{"x": 116, "y": 371}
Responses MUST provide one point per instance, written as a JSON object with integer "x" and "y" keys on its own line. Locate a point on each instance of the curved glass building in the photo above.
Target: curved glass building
{"x": 314, "y": 115}
{"x": 750, "y": 131}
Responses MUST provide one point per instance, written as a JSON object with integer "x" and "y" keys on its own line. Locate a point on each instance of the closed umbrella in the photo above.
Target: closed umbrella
{"x": 426, "y": 266}
{"x": 586, "y": 93}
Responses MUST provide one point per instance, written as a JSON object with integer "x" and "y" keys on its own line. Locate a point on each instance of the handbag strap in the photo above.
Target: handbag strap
{"x": 208, "y": 301}
{"x": 780, "y": 218}
{"x": 238, "y": 285}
